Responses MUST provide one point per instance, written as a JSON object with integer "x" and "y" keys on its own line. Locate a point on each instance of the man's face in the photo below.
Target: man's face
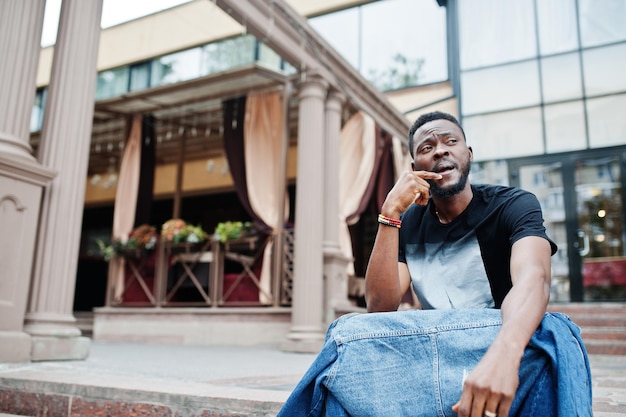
{"x": 439, "y": 146}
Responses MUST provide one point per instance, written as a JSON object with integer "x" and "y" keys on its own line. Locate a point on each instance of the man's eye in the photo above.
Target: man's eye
{"x": 426, "y": 149}
{"x": 453, "y": 140}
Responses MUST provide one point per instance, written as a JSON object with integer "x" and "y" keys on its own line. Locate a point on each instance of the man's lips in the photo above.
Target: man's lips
{"x": 444, "y": 168}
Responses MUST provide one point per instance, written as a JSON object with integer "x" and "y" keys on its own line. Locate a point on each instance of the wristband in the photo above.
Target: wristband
{"x": 388, "y": 221}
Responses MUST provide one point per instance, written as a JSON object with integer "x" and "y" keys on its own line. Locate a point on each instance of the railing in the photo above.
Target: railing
{"x": 211, "y": 274}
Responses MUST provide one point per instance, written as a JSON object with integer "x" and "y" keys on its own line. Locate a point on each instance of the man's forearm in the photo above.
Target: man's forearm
{"x": 382, "y": 284}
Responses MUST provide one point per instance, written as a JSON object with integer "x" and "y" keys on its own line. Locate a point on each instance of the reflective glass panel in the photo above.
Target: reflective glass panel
{"x": 176, "y": 67}
{"x": 558, "y": 28}
{"x": 495, "y": 31}
{"x": 139, "y": 76}
{"x": 498, "y": 88}
{"x": 602, "y": 22}
{"x": 607, "y": 124}
{"x": 112, "y": 83}
{"x": 228, "y": 54}
{"x": 565, "y": 127}
{"x": 505, "y": 135}
{"x": 36, "y": 116}
{"x": 403, "y": 43}
{"x": 600, "y": 228}
{"x": 561, "y": 79}
{"x": 341, "y": 29}
{"x": 268, "y": 57}
{"x": 546, "y": 182}
{"x": 490, "y": 172}
{"x": 605, "y": 69}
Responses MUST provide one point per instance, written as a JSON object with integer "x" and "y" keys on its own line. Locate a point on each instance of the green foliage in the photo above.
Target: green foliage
{"x": 225, "y": 231}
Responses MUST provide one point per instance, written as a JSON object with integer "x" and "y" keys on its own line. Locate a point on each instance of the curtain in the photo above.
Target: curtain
{"x": 401, "y": 157}
{"x": 146, "y": 172}
{"x": 263, "y": 136}
{"x": 357, "y": 156}
{"x": 126, "y": 198}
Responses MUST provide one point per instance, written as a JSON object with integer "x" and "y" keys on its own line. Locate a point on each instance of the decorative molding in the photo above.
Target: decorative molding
{"x": 16, "y": 201}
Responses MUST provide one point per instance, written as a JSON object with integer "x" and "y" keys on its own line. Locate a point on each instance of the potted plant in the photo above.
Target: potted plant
{"x": 141, "y": 241}
{"x": 232, "y": 230}
{"x": 178, "y": 235}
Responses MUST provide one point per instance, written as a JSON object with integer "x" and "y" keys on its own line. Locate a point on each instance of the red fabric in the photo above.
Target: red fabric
{"x": 604, "y": 273}
{"x": 245, "y": 290}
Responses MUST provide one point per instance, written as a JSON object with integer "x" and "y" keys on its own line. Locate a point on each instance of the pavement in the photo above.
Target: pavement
{"x": 220, "y": 381}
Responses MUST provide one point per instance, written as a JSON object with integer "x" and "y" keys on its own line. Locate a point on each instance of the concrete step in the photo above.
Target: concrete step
{"x": 603, "y": 325}
{"x": 84, "y": 321}
{"x": 604, "y": 333}
{"x": 605, "y": 347}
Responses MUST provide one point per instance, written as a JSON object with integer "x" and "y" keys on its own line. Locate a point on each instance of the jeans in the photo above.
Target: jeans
{"x": 412, "y": 363}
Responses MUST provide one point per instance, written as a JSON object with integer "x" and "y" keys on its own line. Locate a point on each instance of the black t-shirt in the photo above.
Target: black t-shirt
{"x": 466, "y": 263}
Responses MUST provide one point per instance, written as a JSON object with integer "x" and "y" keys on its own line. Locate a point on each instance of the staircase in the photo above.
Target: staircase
{"x": 603, "y": 325}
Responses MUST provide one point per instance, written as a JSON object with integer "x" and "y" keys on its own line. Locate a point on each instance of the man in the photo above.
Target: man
{"x": 467, "y": 250}
{"x": 441, "y": 163}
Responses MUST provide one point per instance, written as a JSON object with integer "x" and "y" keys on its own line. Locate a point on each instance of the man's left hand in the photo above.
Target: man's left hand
{"x": 489, "y": 389}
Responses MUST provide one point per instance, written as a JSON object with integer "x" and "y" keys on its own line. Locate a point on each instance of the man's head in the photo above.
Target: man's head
{"x": 429, "y": 117}
{"x": 437, "y": 143}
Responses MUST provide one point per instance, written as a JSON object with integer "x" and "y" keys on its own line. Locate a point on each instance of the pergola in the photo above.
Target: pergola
{"x": 320, "y": 96}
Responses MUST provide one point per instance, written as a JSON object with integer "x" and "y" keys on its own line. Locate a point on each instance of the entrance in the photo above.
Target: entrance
{"x": 582, "y": 197}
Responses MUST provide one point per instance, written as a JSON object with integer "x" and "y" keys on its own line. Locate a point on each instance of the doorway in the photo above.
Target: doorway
{"x": 583, "y": 200}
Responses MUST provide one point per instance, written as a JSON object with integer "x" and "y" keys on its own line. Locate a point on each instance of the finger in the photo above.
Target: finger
{"x": 421, "y": 198}
{"x": 428, "y": 175}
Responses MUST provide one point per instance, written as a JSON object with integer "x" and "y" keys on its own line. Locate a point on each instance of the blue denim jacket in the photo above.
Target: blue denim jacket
{"x": 412, "y": 363}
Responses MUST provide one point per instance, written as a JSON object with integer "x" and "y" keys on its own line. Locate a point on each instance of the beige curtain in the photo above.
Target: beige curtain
{"x": 126, "y": 199}
{"x": 357, "y": 152}
{"x": 263, "y": 135}
{"x": 401, "y": 157}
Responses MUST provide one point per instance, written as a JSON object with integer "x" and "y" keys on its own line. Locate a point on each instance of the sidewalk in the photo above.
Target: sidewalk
{"x": 164, "y": 380}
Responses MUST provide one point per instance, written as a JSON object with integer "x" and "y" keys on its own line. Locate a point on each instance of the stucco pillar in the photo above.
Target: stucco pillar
{"x": 307, "y": 317}
{"x": 21, "y": 177}
{"x": 335, "y": 263}
{"x": 65, "y": 142}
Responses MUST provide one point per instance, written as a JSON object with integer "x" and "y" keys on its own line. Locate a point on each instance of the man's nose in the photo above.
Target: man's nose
{"x": 440, "y": 150}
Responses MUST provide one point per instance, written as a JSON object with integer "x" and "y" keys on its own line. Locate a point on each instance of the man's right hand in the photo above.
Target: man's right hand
{"x": 410, "y": 188}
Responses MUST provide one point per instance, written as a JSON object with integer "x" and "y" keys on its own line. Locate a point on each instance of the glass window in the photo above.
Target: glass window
{"x": 499, "y": 88}
{"x": 494, "y": 31}
{"x": 565, "y": 127}
{"x": 268, "y": 57}
{"x": 228, "y": 54}
{"x": 561, "y": 79}
{"x": 341, "y": 30}
{"x": 180, "y": 66}
{"x": 505, "y": 135}
{"x": 36, "y": 116}
{"x": 605, "y": 69}
{"x": 561, "y": 37}
{"x": 602, "y": 22}
{"x": 490, "y": 172}
{"x": 139, "y": 76}
{"x": 607, "y": 125}
{"x": 112, "y": 83}
{"x": 404, "y": 43}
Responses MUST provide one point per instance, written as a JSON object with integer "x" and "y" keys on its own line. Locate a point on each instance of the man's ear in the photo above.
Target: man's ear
{"x": 412, "y": 165}
{"x": 471, "y": 151}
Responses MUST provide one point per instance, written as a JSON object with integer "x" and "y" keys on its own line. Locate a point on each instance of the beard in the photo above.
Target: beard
{"x": 451, "y": 190}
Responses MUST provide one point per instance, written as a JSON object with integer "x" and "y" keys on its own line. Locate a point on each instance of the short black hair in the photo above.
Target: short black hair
{"x": 429, "y": 117}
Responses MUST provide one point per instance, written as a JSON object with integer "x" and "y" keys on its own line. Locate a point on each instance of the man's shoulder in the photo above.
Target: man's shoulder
{"x": 489, "y": 192}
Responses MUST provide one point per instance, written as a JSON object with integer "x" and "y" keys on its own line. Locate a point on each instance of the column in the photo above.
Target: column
{"x": 21, "y": 177}
{"x": 307, "y": 321}
{"x": 66, "y": 137}
{"x": 335, "y": 263}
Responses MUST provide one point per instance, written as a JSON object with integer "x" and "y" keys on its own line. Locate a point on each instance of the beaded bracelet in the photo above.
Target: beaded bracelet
{"x": 388, "y": 221}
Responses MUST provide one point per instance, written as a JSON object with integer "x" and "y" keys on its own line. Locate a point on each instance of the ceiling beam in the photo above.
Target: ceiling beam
{"x": 278, "y": 25}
